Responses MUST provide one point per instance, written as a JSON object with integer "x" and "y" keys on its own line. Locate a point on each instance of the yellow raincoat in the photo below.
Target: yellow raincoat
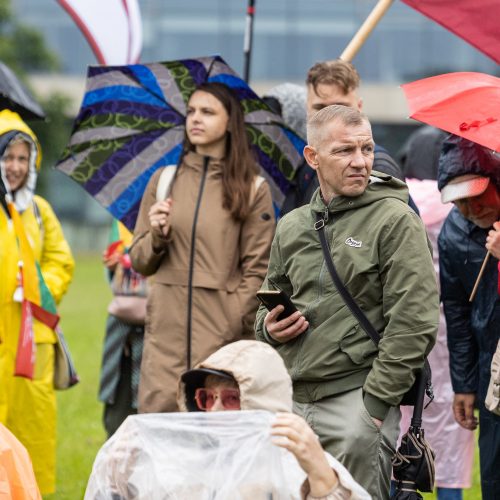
{"x": 28, "y": 407}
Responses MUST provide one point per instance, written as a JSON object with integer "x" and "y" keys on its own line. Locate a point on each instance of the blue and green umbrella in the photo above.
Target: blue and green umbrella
{"x": 132, "y": 121}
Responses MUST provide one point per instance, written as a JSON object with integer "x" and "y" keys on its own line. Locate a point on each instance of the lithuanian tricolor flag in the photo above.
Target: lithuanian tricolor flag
{"x": 37, "y": 301}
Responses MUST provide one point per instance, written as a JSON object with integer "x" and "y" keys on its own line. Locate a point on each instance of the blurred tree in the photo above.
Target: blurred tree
{"x": 24, "y": 50}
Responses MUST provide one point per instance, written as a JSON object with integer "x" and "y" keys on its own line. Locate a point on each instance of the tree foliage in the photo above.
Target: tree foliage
{"x": 24, "y": 50}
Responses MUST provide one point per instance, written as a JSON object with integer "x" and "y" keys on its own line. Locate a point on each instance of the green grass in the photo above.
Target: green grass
{"x": 79, "y": 427}
{"x": 80, "y": 430}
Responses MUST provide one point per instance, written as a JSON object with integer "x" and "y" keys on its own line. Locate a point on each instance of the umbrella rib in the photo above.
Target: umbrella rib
{"x": 161, "y": 98}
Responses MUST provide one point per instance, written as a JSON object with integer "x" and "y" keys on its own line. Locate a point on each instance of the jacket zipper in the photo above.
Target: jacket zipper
{"x": 206, "y": 160}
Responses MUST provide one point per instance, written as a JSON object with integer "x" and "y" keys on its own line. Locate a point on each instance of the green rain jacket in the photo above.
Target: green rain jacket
{"x": 381, "y": 252}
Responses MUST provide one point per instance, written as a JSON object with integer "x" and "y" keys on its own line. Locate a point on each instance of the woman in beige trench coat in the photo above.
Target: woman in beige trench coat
{"x": 206, "y": 247}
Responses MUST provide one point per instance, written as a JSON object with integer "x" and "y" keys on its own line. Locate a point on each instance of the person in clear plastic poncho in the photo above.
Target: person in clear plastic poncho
{"x": 215, "y": 454}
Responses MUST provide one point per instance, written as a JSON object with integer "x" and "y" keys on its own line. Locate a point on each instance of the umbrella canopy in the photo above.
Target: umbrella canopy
{"x": 413, "y": 466}
{"x": 475, "y": 22}
{"x": 132, "y": 122}
{"x": 465, "y": 104}
{"x": 16, "y": 97}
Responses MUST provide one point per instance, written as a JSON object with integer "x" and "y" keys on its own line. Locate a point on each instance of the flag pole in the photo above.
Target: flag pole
{"x": 365, "y": 30}
{"x": 247, "y": 44}
{"x": 479, "y": 276}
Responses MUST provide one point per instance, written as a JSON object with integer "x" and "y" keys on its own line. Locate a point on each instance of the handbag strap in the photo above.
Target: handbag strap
{"x": 319, "y": 226}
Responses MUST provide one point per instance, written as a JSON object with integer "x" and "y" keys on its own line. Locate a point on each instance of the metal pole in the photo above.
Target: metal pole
{"x": 247, "y": 44}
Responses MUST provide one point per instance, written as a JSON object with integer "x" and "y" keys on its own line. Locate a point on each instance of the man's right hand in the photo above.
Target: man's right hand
{"x": 286, "y": 329}
{"x": 463, "y": 410}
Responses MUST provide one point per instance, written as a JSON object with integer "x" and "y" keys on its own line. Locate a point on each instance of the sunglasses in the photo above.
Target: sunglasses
{"x": 205, "y": 398}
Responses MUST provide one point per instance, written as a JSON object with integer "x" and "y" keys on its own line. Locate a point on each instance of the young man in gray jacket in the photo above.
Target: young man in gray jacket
{"x": 346, "y": 388}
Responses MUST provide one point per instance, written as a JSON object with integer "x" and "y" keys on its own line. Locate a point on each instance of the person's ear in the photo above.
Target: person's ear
{"x": 311, "y": 156}
{"x": 360, "y": 104}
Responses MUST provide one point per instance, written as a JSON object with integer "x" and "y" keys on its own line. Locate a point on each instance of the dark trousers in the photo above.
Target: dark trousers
{"x": 489, "y": 454}
{"x": 115, "y": 413}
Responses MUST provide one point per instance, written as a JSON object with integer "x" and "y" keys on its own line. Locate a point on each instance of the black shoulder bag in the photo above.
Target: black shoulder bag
{"x": 411, "y": 397}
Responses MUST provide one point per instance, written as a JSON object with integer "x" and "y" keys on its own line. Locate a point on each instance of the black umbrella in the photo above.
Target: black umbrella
{"x": 419, "y": 156}
{"x": 16, "y": 97}
{"x": 413, "y": 463}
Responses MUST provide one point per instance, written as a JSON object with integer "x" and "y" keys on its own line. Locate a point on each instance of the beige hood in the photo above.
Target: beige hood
{"x": 260, "y": 372}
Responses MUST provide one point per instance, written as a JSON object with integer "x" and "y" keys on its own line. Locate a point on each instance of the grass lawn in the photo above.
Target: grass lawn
{"x": 80, "y": 430}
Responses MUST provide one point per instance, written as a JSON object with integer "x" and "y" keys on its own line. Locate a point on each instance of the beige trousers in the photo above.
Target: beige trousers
{"x": 347, "y": 432}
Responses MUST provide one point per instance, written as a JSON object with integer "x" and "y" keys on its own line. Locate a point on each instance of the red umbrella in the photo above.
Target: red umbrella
{"x": 474, "y": 21}
{"x": 464, "y": 104}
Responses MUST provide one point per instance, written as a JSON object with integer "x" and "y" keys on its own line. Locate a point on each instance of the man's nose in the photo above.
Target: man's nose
{"x": 475, "y": 206}
{"x": 217, "y": 406}
{"x": 358, "y": 159}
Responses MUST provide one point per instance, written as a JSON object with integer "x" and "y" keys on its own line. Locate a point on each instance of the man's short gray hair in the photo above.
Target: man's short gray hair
{"x": 349, "y": 117}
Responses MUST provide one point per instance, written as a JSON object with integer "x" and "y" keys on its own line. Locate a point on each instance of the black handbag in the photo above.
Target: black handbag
{"x": 412, "y": 396}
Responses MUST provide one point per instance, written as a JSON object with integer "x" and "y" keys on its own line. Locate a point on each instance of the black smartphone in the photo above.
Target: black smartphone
{"x": 273, "y": 298}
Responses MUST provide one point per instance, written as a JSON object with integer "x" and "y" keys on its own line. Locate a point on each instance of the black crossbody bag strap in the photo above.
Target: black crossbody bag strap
{"x": 351, "y": 304}
{"x": 415, "y": 396}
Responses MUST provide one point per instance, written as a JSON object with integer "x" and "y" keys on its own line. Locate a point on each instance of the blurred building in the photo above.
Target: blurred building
{"x": 289, "y": 36}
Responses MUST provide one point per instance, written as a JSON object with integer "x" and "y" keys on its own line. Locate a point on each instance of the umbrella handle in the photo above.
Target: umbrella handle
{"x": 365, "y": 30}
{"x": 479, "y": 276}
{"x": 416, "y": 420}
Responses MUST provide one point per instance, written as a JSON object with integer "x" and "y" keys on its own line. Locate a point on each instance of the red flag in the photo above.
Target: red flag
{"x": 25, "y": 357}
{"x": 476, "y": 21}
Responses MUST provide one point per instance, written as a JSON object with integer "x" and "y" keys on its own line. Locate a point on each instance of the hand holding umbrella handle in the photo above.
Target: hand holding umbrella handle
{"x": 479, "y": 276}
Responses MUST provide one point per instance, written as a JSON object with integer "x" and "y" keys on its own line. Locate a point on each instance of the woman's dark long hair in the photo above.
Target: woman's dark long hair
{"x": 240, "y": 166}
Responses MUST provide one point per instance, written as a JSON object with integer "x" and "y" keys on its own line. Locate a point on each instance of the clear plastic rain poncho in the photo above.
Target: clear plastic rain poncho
{"x": 202, "y": 456}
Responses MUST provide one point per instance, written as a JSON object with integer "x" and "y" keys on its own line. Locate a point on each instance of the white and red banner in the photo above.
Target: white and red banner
{"x": 113, "y": 28}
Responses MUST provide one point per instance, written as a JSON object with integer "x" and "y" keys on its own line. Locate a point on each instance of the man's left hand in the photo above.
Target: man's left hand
{"x": 493, "y": 240}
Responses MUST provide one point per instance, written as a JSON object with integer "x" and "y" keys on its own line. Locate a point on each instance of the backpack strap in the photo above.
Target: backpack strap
{"x": 165, "y": 182}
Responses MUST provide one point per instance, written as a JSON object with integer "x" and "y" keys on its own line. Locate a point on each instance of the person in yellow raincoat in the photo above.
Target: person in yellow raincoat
{"x": 28, "y": 406}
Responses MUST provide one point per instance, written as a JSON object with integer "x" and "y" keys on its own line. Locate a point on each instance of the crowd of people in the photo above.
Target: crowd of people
{"x": 194, "y": 338}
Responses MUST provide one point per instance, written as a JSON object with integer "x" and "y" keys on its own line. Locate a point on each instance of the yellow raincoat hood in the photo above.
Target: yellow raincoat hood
{"x": 259, "y": 371}
{"x": 10, "y": 121}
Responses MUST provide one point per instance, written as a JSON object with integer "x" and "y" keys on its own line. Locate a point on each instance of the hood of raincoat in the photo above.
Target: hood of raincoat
{"x": 11, "y": 126}
{"x": 258, "y": 369}
{"x": 292, "y": 99}
{"x": 461, "y": 157}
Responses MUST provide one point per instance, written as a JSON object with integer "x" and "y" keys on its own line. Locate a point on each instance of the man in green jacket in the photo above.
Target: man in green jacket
{"x": 344, "y": 386}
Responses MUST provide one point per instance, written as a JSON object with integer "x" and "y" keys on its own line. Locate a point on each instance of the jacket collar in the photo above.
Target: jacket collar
{"x": 197, "y": 162}
{"x": 380, "y": 186}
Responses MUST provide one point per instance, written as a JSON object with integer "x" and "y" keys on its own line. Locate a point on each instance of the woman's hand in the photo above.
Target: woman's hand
{"x": 286, "y": 329}
{"x": 159, "y": 217}
{"x": 294, "y": 434}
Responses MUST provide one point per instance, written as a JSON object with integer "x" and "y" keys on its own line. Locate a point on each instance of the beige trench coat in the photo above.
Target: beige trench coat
{"x": 204, "y": 280}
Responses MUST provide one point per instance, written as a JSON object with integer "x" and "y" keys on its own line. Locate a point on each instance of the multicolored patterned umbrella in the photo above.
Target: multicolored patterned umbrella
{"x": 131, "y": 123}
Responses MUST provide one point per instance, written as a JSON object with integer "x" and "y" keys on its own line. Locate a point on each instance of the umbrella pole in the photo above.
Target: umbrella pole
{"x": 247, "y": 44}
{"x": 416, "y": 420}
{"x": 479, "y": 276}
{"x": 365, "y": 30}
